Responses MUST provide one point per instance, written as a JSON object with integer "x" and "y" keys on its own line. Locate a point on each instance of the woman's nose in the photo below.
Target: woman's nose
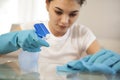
{"x": 64, "y": 19}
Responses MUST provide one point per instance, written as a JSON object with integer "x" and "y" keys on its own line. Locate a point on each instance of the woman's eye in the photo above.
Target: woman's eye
{"x": 72, "y": 15}
{"x": 58, "y": 12}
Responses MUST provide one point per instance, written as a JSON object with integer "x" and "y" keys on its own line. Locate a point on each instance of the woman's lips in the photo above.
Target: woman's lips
{"x": 63, "y": 27}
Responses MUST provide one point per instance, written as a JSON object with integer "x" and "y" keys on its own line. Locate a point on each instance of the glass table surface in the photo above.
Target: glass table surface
{"x": 10, "y": 70}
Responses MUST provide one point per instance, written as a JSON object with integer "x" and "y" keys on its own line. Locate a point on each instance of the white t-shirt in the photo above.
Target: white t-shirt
{"x": 68, "y": 47}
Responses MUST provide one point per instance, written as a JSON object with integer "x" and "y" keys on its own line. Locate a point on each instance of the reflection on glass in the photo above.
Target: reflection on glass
{"x": 12, "y": 71}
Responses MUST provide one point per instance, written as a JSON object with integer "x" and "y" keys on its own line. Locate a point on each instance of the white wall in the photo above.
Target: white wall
{"x": 103, "y": 17}
{"x": 8, "y": 14}
{"x": 32, "y": 10}
{"x": 20, "y": 11}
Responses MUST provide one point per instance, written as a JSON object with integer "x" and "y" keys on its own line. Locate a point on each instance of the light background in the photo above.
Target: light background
{"x": 101, "y": 16}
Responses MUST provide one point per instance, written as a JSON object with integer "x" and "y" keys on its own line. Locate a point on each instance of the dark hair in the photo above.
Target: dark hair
{"x": 81, "y": 2}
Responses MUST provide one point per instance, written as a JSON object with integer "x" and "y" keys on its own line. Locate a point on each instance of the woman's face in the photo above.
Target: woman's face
{"x": 62, "y": 14}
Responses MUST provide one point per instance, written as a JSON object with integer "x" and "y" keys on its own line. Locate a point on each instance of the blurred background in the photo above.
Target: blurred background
{"x": 101, "y": 16}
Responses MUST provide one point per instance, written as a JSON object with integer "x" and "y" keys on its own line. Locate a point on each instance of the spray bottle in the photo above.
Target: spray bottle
{"x": 28, "y": 61}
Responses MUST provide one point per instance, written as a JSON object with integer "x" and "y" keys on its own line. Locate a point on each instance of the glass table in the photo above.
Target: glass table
{"x": 10, "y": 70}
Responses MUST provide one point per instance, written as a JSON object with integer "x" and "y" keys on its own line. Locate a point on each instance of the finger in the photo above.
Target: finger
{"x": 116, "y": 67}
{"x": 76, "y": 65}
{"x": 112, "y": 60}
{"x": 32, "y": 42}
{"x": 43, "y": 42}
{"x": 104, "y": 57}
{"x": 64, "y": 68}
{"x": 38, "y": 41}
{"x": 29, "y": 43}
{"x": 102, "y": 68}
{"x": 95, "y": 56}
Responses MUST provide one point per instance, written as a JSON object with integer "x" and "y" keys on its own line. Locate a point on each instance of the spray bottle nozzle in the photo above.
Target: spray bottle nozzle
{"x": 41, "y": 30}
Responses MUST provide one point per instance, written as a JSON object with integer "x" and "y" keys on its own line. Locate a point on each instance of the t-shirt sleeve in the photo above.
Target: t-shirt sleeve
{"x": 87, "y": 37}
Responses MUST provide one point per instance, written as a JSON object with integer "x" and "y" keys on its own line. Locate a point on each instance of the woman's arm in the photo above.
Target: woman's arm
{"x": 93, "y": 48}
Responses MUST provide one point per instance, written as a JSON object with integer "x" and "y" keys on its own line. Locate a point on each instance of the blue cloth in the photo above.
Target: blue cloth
{"x": 104, "y": 61}
{"x": 26, "y": 39}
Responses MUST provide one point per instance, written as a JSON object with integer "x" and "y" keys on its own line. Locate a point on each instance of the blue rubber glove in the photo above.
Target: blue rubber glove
{"x": 107, "y": 58}
{"x": 105, "y": 61}
{"x": 74, "y": 66}
{"x": 26, "y": 39}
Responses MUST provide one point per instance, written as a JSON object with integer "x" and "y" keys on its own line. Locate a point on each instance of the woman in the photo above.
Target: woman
{"x": 68, "y": 39}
